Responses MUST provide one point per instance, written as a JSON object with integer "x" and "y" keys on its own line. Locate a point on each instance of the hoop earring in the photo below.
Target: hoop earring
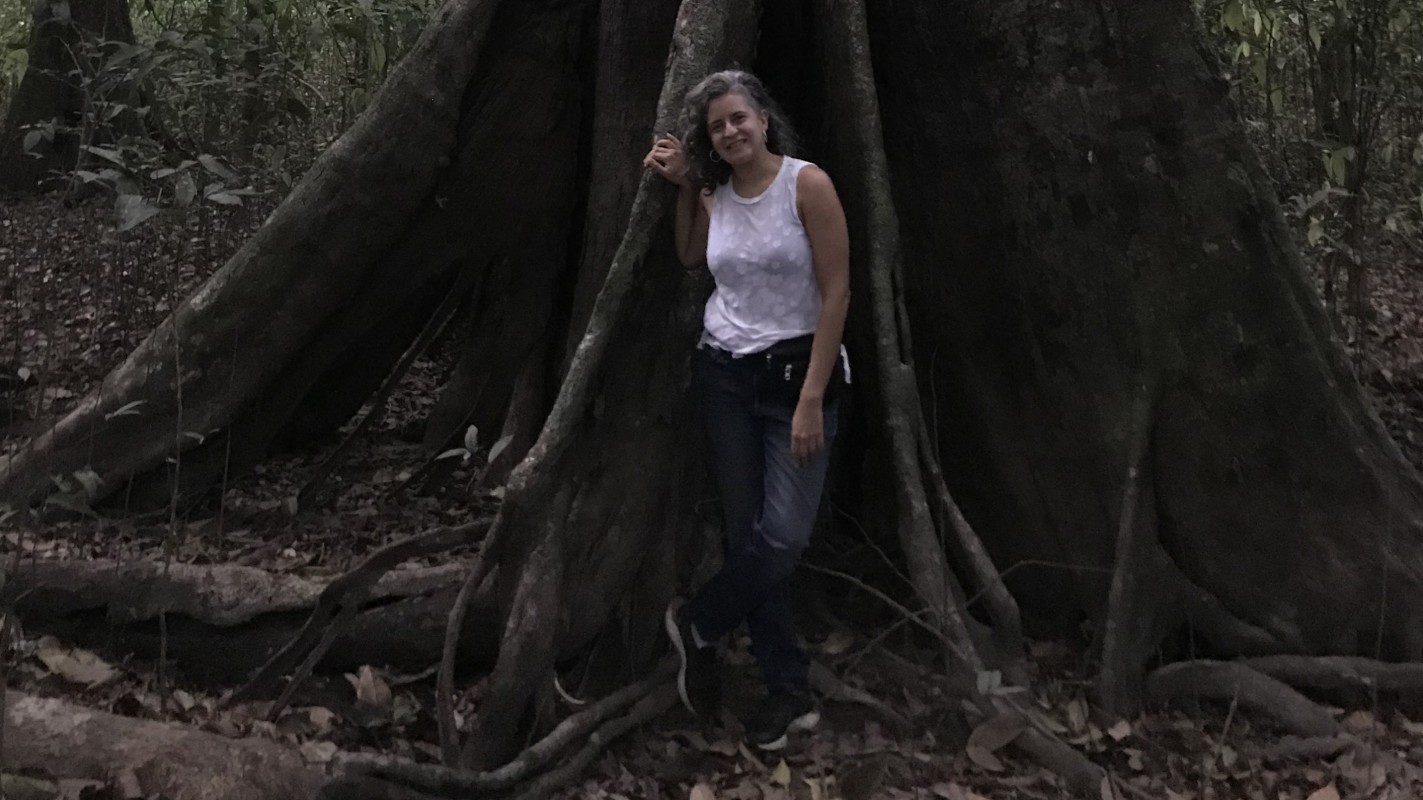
{"x": 715, "y": 157}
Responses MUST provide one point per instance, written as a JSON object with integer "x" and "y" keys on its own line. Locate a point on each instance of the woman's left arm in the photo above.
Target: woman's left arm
{"x": 824, "y": 221}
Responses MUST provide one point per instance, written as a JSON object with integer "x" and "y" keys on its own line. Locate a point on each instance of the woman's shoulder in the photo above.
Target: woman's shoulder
{"x": 810, "y": 177}
{"x": 795, "y": 166}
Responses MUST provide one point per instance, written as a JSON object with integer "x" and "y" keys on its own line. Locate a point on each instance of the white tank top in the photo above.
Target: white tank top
{"x": 759, "y": 254}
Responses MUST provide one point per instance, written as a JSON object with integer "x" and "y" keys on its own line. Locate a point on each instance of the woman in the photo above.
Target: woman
{"x": 772, "y": 231}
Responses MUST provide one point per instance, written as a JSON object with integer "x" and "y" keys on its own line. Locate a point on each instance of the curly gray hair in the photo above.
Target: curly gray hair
{"x": 696, "y": 141}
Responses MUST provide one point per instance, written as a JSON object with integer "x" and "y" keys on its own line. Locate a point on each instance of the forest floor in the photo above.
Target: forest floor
{"x": 76, "y": 296}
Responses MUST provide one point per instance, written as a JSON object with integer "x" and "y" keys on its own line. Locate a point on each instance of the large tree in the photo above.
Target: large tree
{"x": 1085, "y": 349}
{"x": 69, "y": 40}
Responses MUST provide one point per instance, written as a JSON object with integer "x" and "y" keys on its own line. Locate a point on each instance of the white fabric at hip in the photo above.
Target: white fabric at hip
{"x": 759, "y": 254}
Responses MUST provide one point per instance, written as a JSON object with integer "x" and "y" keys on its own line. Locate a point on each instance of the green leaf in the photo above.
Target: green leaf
{"x": 32, "y": 139}
{"x": 225, "y": 198}
{"x": 126, "y": 410}
{"x": 1232, "y": 17}
{"x": 132, "y": 211}
{"x": 186, "y": 190}
{"x": 91, "y": 482}
{"x": 500, "y": 446}
{"x": 71, "y": 502}
{"x": 211, "y": 164}
{"x": 988, "y": 681}
{"x": 106, "y": 154}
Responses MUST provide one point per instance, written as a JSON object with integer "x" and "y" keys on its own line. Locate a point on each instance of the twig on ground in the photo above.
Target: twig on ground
{"x": 823, "y": 680}
{"x": 933, "y": 630}
{"x": 592, "y": 724}
{"x": 349, "y": 590}
{"x": 308, "y": 664}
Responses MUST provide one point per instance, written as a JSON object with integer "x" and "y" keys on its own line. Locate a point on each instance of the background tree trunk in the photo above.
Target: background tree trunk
{"x": 64, "y": 48}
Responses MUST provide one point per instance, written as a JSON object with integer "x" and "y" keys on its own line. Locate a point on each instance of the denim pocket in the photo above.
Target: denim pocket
{"x": 784, "y": 375}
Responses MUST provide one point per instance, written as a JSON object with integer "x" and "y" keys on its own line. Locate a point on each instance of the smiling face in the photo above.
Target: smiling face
{"x": 736, "y": 128}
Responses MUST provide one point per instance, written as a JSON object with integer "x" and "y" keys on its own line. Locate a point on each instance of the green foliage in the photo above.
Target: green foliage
{"x": 14, "y": 39}
{"x": 1332, "y": 91}
{"x": 218, "y": 96}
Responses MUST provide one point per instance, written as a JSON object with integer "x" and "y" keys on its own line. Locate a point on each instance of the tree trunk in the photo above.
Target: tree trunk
{"x": 1110, "y": 233}
{"x": 1080, "y": 330}
{"x": 67, "y": 40}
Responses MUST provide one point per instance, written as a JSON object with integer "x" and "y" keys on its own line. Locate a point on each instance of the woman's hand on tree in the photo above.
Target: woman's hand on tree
{"x": 807, "y": 431}
{"x": 667, "y": 158}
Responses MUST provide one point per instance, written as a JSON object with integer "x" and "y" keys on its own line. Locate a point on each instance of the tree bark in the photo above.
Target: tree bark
{"x": 222, "y": 622}
{"x": 66, "y": 40}
{"x": 158, "y": 760}
{"x": 1082, "y": 214}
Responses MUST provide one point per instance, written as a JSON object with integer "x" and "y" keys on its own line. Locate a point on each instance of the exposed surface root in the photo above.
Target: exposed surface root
{"x": 589, "y": 730}
{"x": 174, "y": 761}
{"x": 1340, "y": 673}
{"x": 214, "y": 637}
{"x": 1294, "y": 747}
{"x": 1251, "y": 689}
{"x": 828, "y": 684}
{"x": 340, "y": 599}
{"x": 1081, "y": 775}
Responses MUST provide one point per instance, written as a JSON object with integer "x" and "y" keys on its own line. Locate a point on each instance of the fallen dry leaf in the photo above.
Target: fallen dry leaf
{"x": 1120, "y": 730}
{"x": 318, "y": 752}
{"x": 837, "y": 642}
{"x": 781, "y": 775}
{"x": 983, "y": 758}
{"x": 722, "y": 747}
{"x": 322, "y": 717}
{"x": 370, "y": 688}
{"x": 947, "y": 791}
{"x": 997, "y": 731}
{"x": 74, "y": 665}
{"x": 746, "y": 753}
{"x": 701, "y": 792}
{"x": 1077, "y": 715}
{"x": 1326, "y": 793}
{"x": 863, "y": 781}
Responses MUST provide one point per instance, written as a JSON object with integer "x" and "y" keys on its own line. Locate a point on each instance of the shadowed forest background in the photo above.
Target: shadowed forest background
{"x": 1140, "y": 411}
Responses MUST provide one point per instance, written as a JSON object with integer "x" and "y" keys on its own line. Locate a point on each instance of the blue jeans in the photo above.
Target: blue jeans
{"x": 769, "y": 505}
